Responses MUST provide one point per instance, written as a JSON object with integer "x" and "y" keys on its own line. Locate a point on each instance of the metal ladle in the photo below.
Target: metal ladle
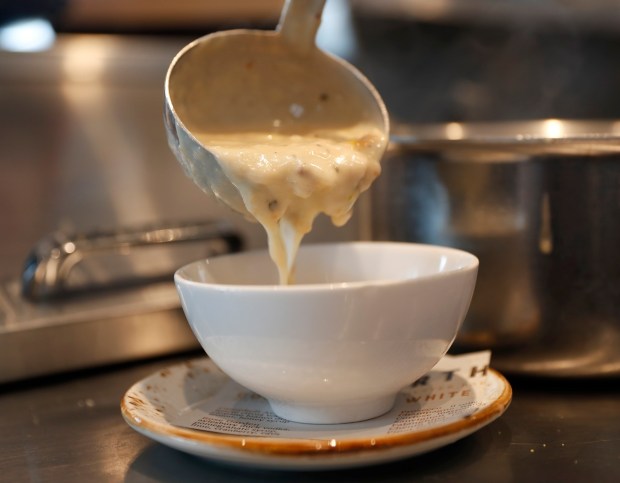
{"x": 261, "y": 81}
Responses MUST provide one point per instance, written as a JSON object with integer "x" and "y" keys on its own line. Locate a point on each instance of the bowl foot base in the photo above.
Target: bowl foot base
{"x": 345, "y": 412}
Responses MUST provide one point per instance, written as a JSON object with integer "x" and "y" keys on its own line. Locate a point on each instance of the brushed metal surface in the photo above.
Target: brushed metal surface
{"x": 112, "y": 311}
{"x": 42, "y": 338}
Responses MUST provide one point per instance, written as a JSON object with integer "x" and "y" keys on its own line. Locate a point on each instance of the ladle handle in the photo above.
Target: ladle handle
{"x": 299, "y": 22}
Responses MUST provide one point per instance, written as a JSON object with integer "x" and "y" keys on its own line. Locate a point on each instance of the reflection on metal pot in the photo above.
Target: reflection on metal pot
{"x": 536, "y": 202}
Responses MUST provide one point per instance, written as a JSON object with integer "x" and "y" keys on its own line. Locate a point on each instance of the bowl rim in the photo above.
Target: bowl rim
{"x": 471, "y": 264}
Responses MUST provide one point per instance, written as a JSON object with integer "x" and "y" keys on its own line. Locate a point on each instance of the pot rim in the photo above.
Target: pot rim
{"x": 570, "y": 137}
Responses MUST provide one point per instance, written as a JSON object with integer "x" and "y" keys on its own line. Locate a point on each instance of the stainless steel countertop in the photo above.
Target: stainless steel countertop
{"x": 69, "y": 428}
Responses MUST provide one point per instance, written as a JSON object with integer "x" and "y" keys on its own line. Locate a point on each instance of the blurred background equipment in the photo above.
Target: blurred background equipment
{"x": 84, "y": 148}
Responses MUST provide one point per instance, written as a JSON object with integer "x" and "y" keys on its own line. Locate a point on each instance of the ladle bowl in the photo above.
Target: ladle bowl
{"x": 250, "y": 81}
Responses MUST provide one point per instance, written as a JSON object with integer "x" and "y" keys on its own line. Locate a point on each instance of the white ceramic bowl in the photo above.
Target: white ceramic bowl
{"x": 364, "y": 320}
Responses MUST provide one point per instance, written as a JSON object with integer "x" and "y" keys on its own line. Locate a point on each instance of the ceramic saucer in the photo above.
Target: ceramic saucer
{"x": 194, "y": 407}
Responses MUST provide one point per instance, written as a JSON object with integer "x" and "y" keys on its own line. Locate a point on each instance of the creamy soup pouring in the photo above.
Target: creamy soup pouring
{"x": 276, "y": 128}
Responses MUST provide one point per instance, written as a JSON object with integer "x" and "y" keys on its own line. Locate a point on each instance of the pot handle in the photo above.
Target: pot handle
{"x": 52, "y": 260}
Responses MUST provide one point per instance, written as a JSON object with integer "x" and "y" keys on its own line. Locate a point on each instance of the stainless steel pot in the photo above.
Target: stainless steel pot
{"x": 539, "y": 203}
